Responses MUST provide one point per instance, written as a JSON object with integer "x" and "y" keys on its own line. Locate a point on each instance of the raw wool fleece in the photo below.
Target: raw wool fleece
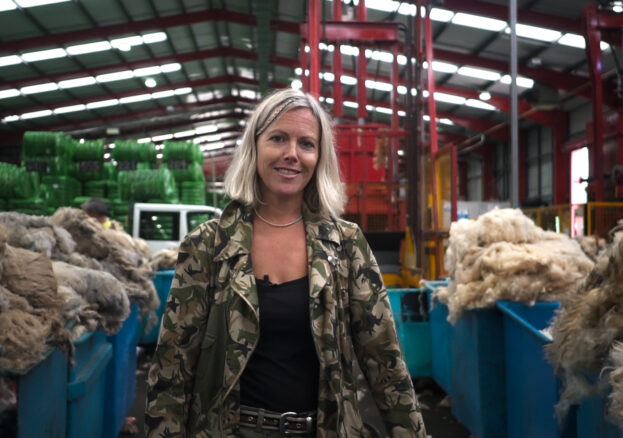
{"x": 116, "y": 251}
{"x": 165, "y": 259}
{"x": 616, "y": 381}
{"x": 36, "y": 233}
{"x": 588, "y": 323}
{"x": 103, "y": 293}
{"x": 503, "y": 255}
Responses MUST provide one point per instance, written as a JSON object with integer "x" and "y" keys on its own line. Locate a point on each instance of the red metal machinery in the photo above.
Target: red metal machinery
{"x": 357, "y": 143}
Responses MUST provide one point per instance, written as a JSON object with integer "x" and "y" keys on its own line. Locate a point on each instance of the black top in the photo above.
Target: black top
{"x": 283, "y": 371}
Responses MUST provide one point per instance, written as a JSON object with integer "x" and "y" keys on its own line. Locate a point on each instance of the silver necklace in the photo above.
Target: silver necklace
{"x": 298, "y": 219}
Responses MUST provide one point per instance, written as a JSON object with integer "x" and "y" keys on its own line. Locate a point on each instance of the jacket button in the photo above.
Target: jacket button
{"x": 330, "y": 259}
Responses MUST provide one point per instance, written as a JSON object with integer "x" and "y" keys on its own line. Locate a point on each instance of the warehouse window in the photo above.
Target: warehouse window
{"x": 159, "y": 225}
{"x": 539, "y": 166}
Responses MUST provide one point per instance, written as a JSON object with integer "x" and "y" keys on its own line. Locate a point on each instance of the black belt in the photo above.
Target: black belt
{"x": 287, "y": 423}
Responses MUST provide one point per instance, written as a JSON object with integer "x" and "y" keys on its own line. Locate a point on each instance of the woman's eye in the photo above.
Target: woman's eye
{"x": 276, "y": 138}
{"x": 309, "y": 144}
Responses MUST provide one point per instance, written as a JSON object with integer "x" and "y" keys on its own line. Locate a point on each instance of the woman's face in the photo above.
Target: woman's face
{"x": 287, "y": 153}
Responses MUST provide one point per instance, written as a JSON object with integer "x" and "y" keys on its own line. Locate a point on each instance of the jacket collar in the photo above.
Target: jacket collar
{"x": 235, "y": 229}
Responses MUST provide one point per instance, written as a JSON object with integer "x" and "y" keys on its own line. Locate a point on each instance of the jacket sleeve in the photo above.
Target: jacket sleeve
{"x": 171, "y": 376}
{"x": 377, "y": 347}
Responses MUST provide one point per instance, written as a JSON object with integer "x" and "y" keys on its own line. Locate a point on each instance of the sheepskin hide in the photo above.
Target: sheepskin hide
{"x": 165, "y": 259}
{"x": 117, "y": 253}
{"x": 503, "y": 255}
{"x": 102, "y": 291}
{"x": 589, "y": 321}
{"x": 592, "y": 246}
{"x": 36, "y": 233}
{"x": 27, "y": 332}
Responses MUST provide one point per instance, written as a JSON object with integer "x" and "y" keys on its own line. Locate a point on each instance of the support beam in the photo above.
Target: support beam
{"x": 116, "y": 30}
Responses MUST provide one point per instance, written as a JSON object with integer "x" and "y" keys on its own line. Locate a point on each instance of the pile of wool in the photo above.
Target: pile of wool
{"x": 31, "y": 310}
{"x": 592, "y": 246}
{"x": 120, "y": 255}
{"x": 503, "y": 255}
{"x": 165, "y": 259}
{"x": 588, "y": 323}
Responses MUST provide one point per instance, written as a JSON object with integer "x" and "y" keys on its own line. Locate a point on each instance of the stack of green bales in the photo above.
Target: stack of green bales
{"x": 148, "y": 185}
{"x": 138, "y": 179}
{"x": 185, "y": 161}
{"x": 90, "y": 171}
{"x": 19, "y": 190}
{"x": 50, "y": 154}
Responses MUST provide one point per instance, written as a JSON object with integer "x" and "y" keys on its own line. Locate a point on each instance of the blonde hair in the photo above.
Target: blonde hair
{"x": 324, "y": 193}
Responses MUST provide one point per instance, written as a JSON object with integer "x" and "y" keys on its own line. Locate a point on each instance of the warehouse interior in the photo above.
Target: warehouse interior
{"x": 481, "y": 150}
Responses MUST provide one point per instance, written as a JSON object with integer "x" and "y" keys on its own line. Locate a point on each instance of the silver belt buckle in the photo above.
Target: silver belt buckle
{"x": 283, "y": 422}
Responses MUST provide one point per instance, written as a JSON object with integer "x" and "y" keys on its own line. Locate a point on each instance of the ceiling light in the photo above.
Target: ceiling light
{"x": 35, "y": 114}
{"x": 345, "y": 49}
{"x": 78, "y": 82}
{"x": 573, "y": 40}
{"x": 443, "y": 15}
{"x": 184, "y": 90}
{"x": 329, "y": 100}
{"x": 42, "y": 55}
{"x": 11, "y": 92}
{"x": 126, "y": 43}
{"x": 163, "y": 94}
{"x": 478, "y": 73}
{"x": 444, "y": 67}
{"x": 327, "y": 76}
{"x": 7, "y": 5}
{"x": 298, "y": 71}
{"x": 348, "y": 80}
{"x": 349, "y": 104}
{"x": 401, "y": 89}
{"x": 402, "y": 113}
{"x": 168, "y": 68}
{"x": 155, "y": 37}
{"x": 33, "y": 3}
{"x": 102, "y": 103}
{"x": 521, "y": 81}
{"x": 445, "y": 121}
{"x": 484, "y": 95}
{"x": 383, "y": 110}
{"x": 147, "y": 71}
{"x": 475, "y": 103}
{"x": 536, "y": 33}
{"x": 381, "y": 86}
{"x": 402, "y": 60}
{"x": 81, "y": 49}
{"x": 162, "y": 137}
{"x": 296, "y": 84}
{"x": 137, "y": 98}
{"x": 478, "y": 22}
{"x": 10, "y": 60}
{"x": 69, "y": 109}
{"x": 449, "y": 98}
{"x": 379, "y": 55}
{"x": 206, "y": 129}
{"x": 116, "y": 76}
{"x": 39, "y": 88}
{"x": 144, "y": 140}
{"x": 213, "y": 147}
{"x": 183, "y": 134}
{"x": 150, "y": 82}
{"x": 10, "y": 118}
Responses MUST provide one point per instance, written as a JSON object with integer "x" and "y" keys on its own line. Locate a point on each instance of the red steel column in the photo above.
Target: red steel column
{"x": 314, "y": 38}
{"x": 337, "y": 65}
{"x": 592, "y": 34}
{"x": 361, "y": 68}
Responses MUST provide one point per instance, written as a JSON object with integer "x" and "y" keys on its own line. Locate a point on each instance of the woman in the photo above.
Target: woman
{"x": 272, "y": 304}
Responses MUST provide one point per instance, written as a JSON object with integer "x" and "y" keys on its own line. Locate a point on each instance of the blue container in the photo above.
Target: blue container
{"x": 477, "y": 373}
{"x": 413, "y": 330}
{"x": 532, "y": 389}
{"x": 121, "y": 375}
{"x": 592, "y": 420}
{"x": 441, "y": 337}
{"x": 162, "y": 281}
{"x": 42, "y": 397}
{"x": 86, "y": 386}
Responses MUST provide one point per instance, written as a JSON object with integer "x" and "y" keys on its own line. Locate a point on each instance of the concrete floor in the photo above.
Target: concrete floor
{"x": 435, "y": 407}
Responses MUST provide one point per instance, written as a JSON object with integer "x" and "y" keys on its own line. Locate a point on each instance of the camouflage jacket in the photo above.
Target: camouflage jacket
{"x": 210, "y": 329}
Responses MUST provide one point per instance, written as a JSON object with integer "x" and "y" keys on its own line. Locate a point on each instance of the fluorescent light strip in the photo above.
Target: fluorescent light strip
{"x": 475, "y": 103}
{"x": 536, "y": 33}
{"x": 80, "y": 49}
{"x": 98, "y": 104}
{"x": 478, "y": 73}
{"x": 88, "y": 80}
{"x": 521, "y": 81}
{"x": 478, "y": 22}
